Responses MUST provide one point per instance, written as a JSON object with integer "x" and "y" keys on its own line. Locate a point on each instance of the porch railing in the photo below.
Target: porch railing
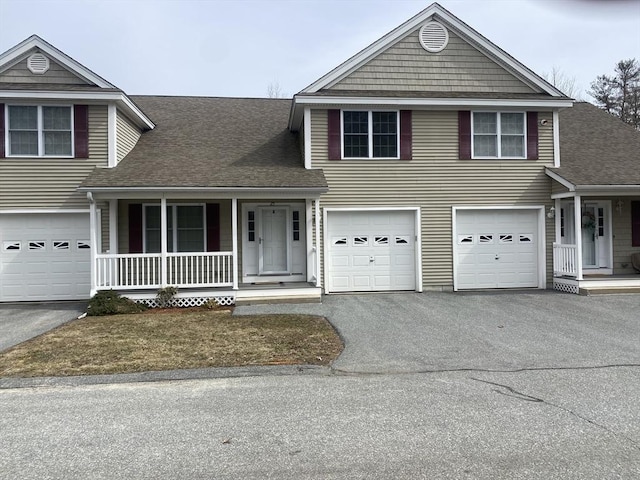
{"x": 184, "y": 270}
{"x": 565, "y": 260}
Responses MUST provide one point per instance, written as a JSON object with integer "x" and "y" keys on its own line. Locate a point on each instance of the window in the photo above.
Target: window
{"x": 39, "y": 131}
{"x": 370, "y": 134}
{"x": 185, "y": 228}
{"x": 498, "y": 135}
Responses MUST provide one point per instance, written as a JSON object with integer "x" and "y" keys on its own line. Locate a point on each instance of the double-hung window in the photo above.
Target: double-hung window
{"x": 370, "y": 134}
{"x": 185, "y": 228}
{"x": 499, "y": 135}
{"x": 39, "y": 131}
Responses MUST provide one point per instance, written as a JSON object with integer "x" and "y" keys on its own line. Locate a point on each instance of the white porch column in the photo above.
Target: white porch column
{"x": 311, "y": 261}
{"x": 113, "y": 227}
{"x": 93, "y": 241}
{"x": 577, "y": 221}
{"x": 234, "y": 236}
{"x": 558, "y": 220}
{"x": 163, "y": 242}
{"x": 317, "y": 225}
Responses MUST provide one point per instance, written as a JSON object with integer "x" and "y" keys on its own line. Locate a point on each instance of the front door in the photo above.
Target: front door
{"x": 596, "y": 243}
{"x": 273, "y": 251}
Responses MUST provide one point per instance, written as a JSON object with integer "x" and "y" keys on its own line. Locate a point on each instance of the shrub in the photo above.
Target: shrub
{"x": 165, "y": 296}
{"x": 108, "y": 302}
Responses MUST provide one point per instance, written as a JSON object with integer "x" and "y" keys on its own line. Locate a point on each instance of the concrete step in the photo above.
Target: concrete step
{"x": 611, "y": 290}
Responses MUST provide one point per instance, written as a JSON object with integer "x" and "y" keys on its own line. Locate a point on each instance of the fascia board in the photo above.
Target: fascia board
{"x": 452, "y": 22}
{"x": 198, "y": 192}
{"x": 16, "y": 53}
{"x": 123, "y": 101}
{"x": 561, "y": 180}
{"x": 433, "y": 102}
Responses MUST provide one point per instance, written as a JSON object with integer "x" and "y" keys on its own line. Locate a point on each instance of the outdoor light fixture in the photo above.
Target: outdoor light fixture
{"x": 552, "y": 212}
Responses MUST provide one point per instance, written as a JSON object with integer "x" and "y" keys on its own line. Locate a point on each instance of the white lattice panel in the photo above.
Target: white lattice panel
{"x": 184, "y": 302}
{"x": 566, "y": 287}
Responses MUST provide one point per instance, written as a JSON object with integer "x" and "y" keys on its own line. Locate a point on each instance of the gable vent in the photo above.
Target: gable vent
{"x": 38, "y": 63}
{"x": 434, "y": 37}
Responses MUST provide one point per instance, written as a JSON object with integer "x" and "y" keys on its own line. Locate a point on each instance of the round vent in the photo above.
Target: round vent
{"x": 38, "y": 63}
{"x": 434, "y": 37}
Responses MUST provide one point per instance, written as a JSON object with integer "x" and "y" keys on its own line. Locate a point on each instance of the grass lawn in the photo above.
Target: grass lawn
{"x": 173, "y": 339}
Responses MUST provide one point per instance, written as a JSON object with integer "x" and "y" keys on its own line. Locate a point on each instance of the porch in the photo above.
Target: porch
{"x": 227, "y": 249}
{"x": 595, "y": 240}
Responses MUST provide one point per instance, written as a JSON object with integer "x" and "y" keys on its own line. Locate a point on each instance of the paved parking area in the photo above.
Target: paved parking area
{"x": 20, "y": 322}
{"x": 415, "y": 332}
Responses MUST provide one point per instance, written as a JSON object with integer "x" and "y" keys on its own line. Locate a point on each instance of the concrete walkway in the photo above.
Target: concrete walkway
{"x": 416, "y": 332}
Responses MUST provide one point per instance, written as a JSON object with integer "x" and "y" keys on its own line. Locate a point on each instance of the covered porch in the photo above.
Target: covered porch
{"x": 596, "y": 244}
{"x": 258, "y": 247}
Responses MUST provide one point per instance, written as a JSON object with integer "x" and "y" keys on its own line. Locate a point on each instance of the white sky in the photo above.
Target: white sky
{"x": 237, "y": 48}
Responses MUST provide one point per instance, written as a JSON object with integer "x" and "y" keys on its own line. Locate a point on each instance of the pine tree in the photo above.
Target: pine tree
{"x": 620, "y": 94}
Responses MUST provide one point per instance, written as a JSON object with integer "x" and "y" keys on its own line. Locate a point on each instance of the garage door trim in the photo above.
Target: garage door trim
{"x": 539, "y": 209}
{"x": 417, "y": 230}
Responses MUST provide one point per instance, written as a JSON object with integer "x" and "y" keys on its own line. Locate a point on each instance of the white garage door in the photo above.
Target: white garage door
{"x": 371, "y": 251}
{"x": 44, "y": 257}
{"x": 497, "y": 249}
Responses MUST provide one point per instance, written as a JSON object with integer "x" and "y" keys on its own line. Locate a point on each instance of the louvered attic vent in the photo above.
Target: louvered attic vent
{"x": 37, "y": 63}
{"x": 434, "y": 37}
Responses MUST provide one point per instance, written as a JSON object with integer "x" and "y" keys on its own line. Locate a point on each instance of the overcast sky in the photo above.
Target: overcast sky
{"x": 237, "y": 48}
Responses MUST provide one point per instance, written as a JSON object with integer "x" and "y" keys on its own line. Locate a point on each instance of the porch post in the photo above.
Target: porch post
{"x": 317, "y": 225}
{"x": 234, "y": 237}
{"x": 558, "y": 220}
{"x": 113, "y": 226}
{"x": 163, "y": 242}
{"x": 311, "y": 262}
{"x": 577, "y": 221}
{"x": 93, "y": 242}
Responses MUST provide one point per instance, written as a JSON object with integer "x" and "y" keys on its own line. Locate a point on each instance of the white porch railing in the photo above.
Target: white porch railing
{"x": 565, "y": 260}
{"x": 183, "y": 270}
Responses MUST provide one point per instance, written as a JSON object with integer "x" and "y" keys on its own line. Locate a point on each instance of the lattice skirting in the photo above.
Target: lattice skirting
{"x": 182, "y": 302}
{"x": 565, "y": 287}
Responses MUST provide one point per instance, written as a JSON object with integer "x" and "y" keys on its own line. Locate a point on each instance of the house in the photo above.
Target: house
{"x": 430, "y": 160}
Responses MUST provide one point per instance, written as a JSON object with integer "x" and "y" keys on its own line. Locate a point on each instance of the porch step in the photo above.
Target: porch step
{"x": 289, "y": 295}
{"x": 610, "y": 290}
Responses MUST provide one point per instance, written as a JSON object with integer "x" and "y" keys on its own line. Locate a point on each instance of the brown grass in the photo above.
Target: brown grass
{"x": 173, "y": 339}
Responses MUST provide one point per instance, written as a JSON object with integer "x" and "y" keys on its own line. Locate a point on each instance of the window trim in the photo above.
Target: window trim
{"x": 370, "y": 133}
{"x": 499, "y": 135}
{"x": 174, "y": 223}
{"x": 41, "y": 153}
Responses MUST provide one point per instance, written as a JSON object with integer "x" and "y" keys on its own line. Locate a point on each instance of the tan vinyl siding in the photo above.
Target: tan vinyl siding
{"x": 435, "y": 180}
{"x": 406, "y": 66}
{"x": 52, "y": 182}
{"x": 127, "y": 136}
{"x": 56, "y": 75}
{"x": 104, "y": 225}
{"x": 622, "y": 249}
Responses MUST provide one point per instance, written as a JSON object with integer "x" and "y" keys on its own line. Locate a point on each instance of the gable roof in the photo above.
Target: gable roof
{"x": 20, "y": 51}
{"x": 436, "y": 12}
{"x": 208, "y": 143}
{"x": 96, "y": 88}
{"x": 596, "y": 149}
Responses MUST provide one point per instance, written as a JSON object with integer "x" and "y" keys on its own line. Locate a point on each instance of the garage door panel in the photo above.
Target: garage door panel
{"x": 51, "y": 263}
{"x": 497, "y": 248}
{"x": 379, "y": 248}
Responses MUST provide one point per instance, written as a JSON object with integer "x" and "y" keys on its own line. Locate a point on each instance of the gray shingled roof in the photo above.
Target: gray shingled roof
{"x": 596, "y": 148}
{"x": 203, "y": 142}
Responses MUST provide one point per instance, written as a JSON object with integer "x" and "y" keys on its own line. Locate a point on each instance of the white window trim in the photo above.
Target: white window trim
{"x": 498, "y": 135}
{"x": 370, "y": 134}
{"x": 41, "y": 153}
{"x": 174, "y": 219}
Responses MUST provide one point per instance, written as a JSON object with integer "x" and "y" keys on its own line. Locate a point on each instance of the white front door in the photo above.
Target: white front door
{"x": 596, "y": 241}
{"x": 274, "y": 255}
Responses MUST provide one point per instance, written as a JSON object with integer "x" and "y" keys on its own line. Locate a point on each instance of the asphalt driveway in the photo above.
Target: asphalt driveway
{"x": 419, "y": 332}
{"x": 20, "y": 322}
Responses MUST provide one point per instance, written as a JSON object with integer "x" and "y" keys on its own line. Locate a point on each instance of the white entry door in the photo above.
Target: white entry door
{"x": 596, "y": 242}
{"x": 274, "y": 255}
